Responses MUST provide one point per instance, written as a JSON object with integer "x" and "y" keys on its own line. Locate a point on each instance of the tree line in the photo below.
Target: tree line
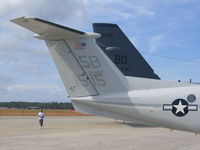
{"x": 37, "y": 105}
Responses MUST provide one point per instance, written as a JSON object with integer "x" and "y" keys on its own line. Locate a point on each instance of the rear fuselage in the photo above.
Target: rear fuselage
{"x": 175, "y": 108}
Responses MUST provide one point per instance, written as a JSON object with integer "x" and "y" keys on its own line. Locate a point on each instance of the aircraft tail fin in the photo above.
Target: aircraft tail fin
{"x": 82, "y": 65}
{"x": 122, "y": 52}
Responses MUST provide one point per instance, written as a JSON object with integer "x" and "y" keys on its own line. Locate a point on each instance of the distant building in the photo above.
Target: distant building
{"x": 33, "y": 107}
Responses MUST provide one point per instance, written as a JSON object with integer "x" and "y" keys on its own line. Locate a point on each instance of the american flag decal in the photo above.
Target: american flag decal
{"x": 80, "y": 45}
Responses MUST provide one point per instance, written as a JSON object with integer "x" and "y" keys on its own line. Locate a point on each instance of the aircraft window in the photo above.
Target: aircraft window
{"x": 191, "y": 98}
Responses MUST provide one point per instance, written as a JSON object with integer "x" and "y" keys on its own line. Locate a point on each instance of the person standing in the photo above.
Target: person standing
{"x": 41, "y": 116}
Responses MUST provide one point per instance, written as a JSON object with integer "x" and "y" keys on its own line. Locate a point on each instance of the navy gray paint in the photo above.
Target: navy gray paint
{"x": 122, "y": 52}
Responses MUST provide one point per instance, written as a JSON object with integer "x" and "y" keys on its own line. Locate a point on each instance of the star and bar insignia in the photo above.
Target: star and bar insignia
{"x": 180, "y": 107}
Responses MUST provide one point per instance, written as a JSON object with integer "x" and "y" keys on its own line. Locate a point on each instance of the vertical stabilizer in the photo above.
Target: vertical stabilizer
{"x": 82, "y": 65}
{"x": 122, "y": 52}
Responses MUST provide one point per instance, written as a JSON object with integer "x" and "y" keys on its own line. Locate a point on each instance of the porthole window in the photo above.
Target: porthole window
{"x": 191, "y": 98}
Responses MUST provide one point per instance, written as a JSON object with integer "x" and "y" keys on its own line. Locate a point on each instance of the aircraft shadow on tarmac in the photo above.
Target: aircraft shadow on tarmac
{"x": 133, "y": 124}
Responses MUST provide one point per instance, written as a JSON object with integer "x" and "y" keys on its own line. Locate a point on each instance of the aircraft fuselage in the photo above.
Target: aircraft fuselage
{"x": 175, "y": 108}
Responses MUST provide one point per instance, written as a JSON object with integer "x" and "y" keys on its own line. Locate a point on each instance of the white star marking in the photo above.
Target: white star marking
{"x": 180, "y": 107}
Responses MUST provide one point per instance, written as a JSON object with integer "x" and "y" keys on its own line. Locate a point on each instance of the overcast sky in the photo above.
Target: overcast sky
{"x": 167, "y": 28}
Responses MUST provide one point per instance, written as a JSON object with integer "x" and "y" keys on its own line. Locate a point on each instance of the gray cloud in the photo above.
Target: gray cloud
{"x": 36, "y": 92}
{"x": 155, "y": 42}
{"x": 5, "y": 81}
{"x": 46, "y": 9}
{"x": 120, "y": 10}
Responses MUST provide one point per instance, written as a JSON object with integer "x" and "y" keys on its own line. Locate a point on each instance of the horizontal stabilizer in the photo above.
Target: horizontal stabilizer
{"x": 47, "y": 30}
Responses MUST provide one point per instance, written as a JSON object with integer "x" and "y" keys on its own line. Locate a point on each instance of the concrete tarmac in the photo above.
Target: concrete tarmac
{"x": 89, "y": 133}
